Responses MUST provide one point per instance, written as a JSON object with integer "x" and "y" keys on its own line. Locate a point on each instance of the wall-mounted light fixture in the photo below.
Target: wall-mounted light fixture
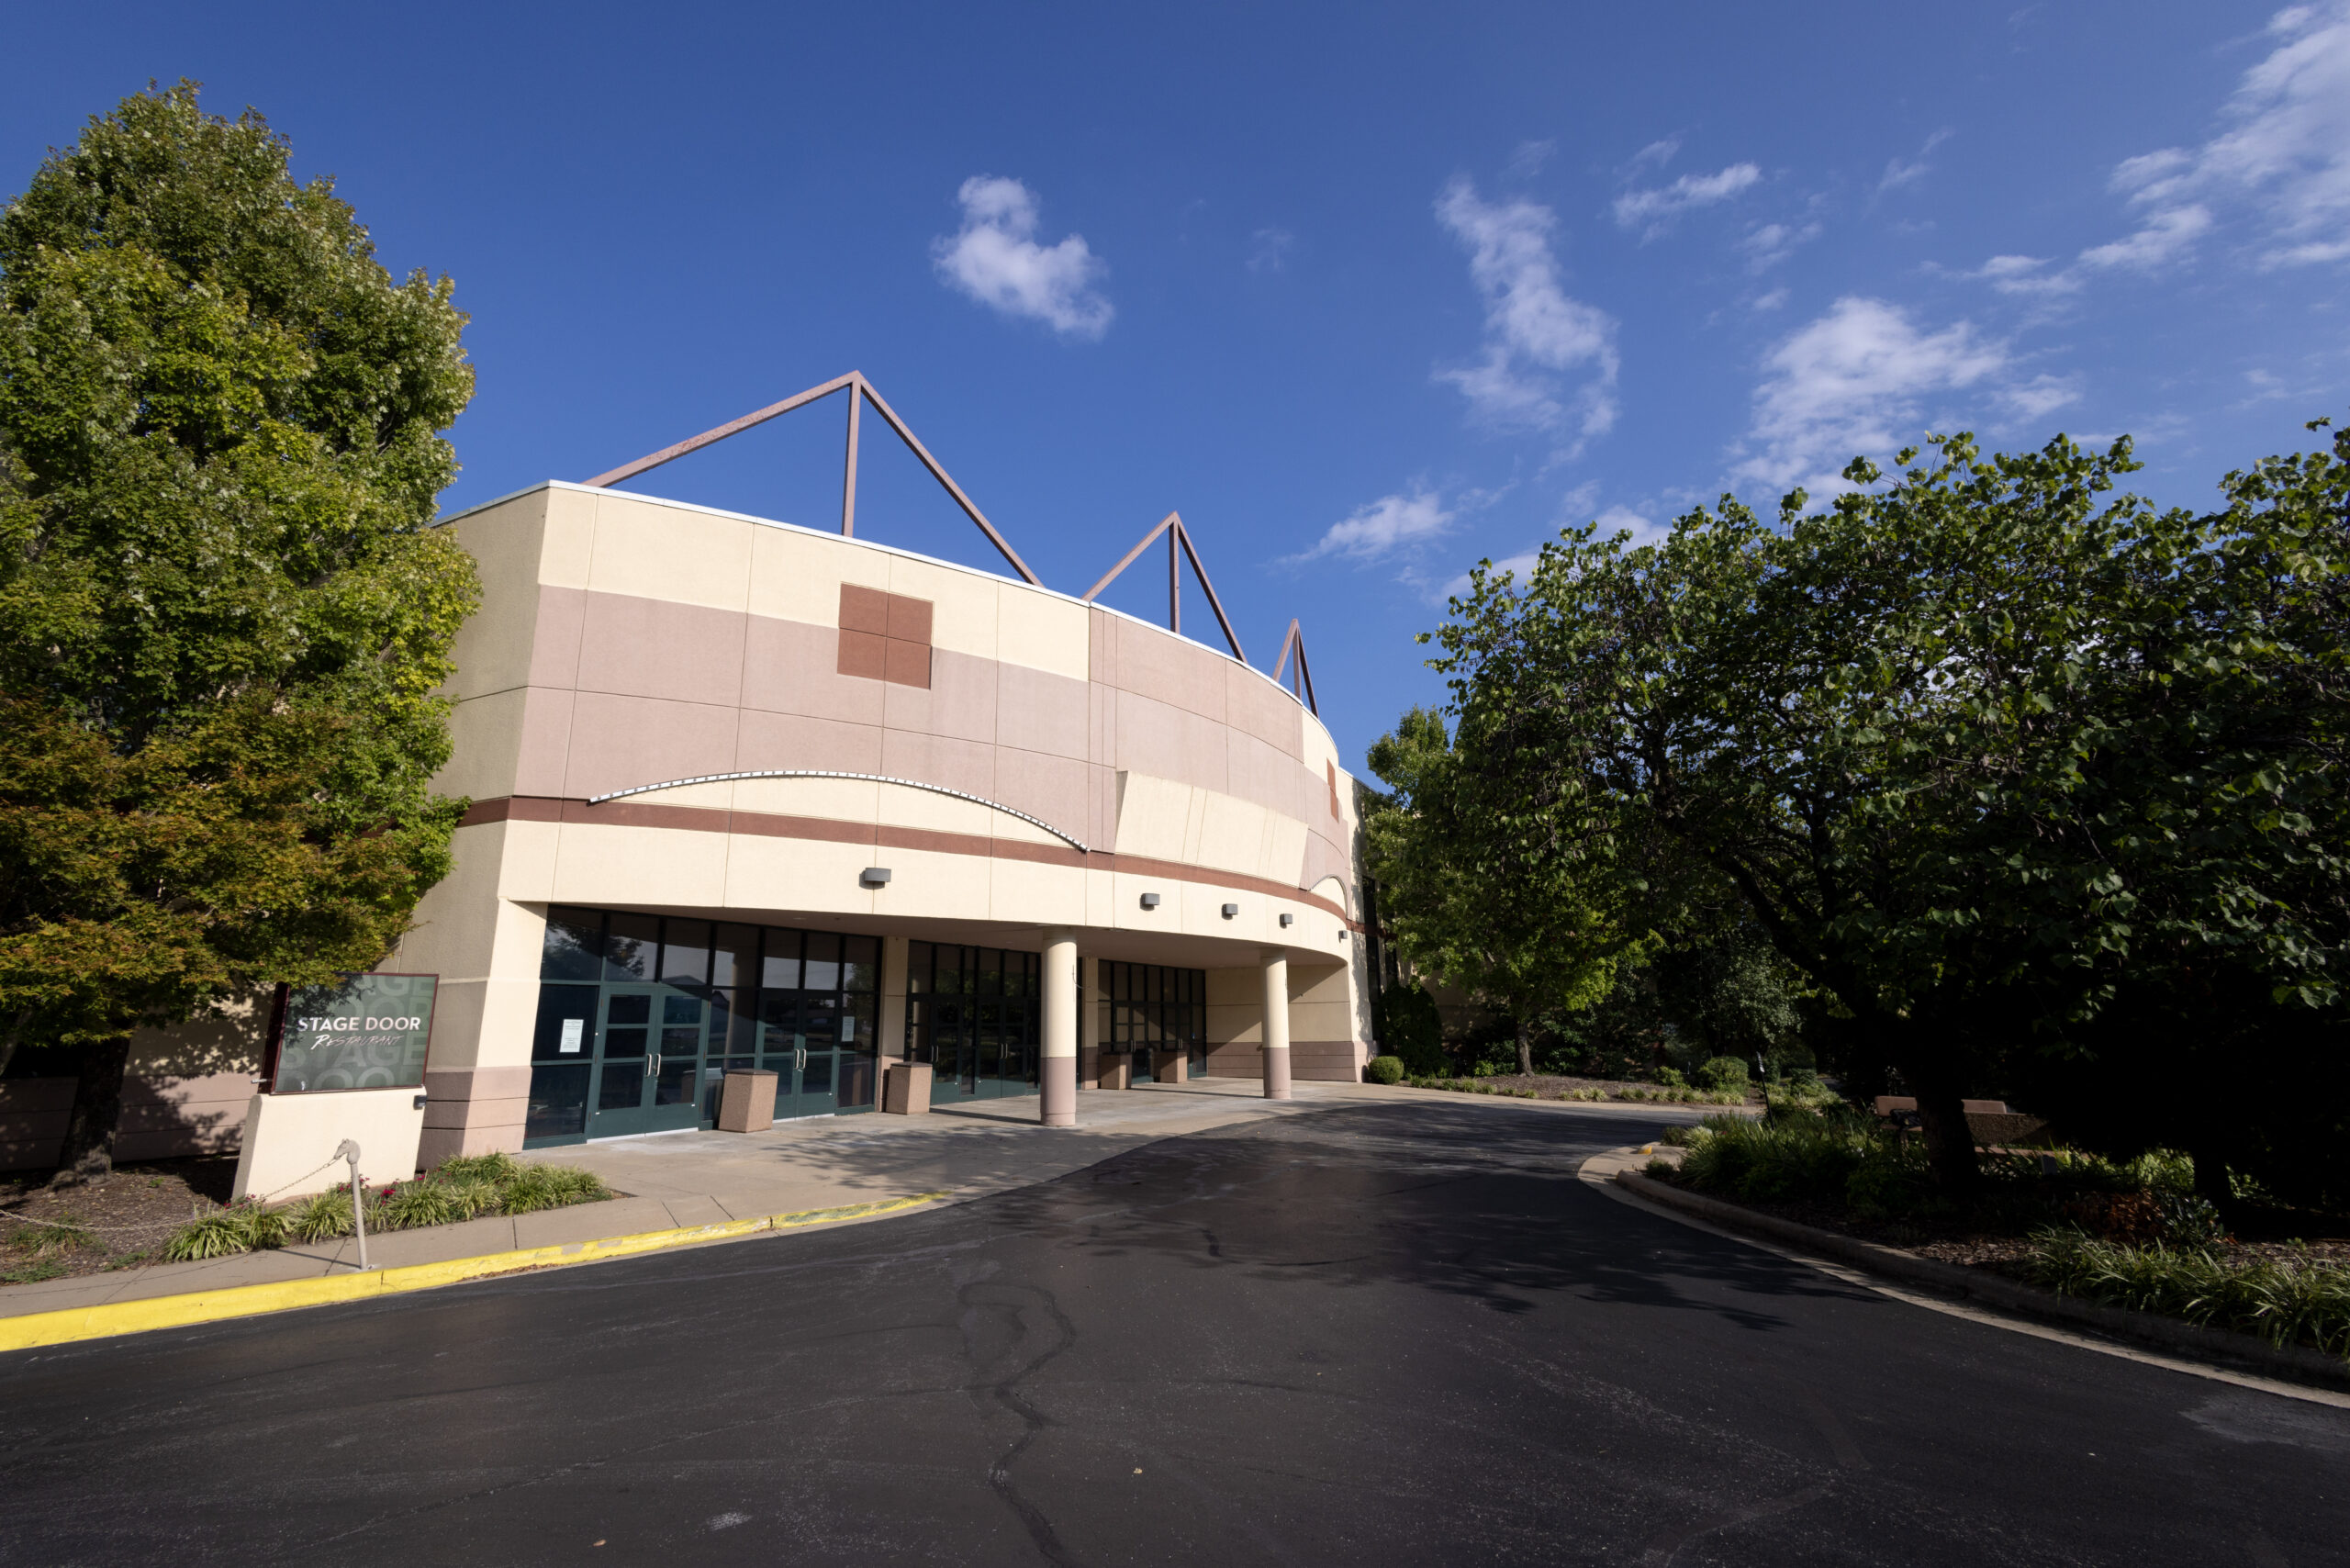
{"x": 1286, "y": 919}
{"x": 1150, "y": 900}
{"x": 1230, "y": 910}
{"x": 874, "y": 877}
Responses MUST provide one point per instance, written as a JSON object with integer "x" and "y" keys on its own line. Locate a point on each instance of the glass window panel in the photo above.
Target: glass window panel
{"x": 1030, "y": 965}
{"x": 856, "y": 1080}
{"x": 917, "y": 1029}
{"x": 619, "y": 1045}
{"x": 858, "y": 1025}
{"x": 566, "y": 1026}
{"x": 622, "y": 1086}
{"x": 685, "y": 1042}
{"x": 573, "y": 947}
{"x": 948, "y": 975}
{"x": 816, "y": 1077}
{"x": 779, "y": 967}
{"x": 991, "y": 971}
{"x": 634, "y": 1007}
{"x": 684, "y": 950}
{"x": 823, "y": 970}
{"x": 778, "y": 1019}
{"x": 819, "y": 1013}
{"x": 734, "y": 955}
{"x": 630, "y": 946}
{"x": 727, "y": 1031}
{"x": 918, "y": 961}
{"x": 681, "y": 1010}
{"x": 861, "y": 960}
{"x": 558, "y": 1102}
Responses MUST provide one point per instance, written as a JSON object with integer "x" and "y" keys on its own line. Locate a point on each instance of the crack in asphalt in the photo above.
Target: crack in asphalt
{"x": 1005, "y": 1390}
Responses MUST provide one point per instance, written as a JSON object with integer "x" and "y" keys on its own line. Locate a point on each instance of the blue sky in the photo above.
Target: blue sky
{"x": 1366, "y": 292}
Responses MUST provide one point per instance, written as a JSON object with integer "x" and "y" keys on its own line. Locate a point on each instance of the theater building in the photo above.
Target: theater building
{"x": 751, "y": 795}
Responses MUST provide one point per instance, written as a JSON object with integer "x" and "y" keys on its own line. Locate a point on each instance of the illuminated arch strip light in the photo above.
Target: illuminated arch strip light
{"x": 861, "y": 778}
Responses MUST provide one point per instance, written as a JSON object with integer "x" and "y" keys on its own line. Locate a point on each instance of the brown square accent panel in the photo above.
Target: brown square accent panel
{"x": 884, "y": 636}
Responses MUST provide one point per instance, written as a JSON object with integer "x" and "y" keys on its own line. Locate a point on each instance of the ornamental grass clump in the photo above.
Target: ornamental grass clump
{"x": 321, "y": 1217}
{"x": 408, "y": 1206}
{"x": 552, "y": 1187}
{"x": 1800, "y": 1157}
{"x": 223, "y": 1233}
{"x": 2300, "y": 1302}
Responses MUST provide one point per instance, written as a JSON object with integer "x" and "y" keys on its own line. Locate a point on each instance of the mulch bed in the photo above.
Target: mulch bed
{"x": 132, "y": 1213}
{"x": 1998, "y": 1250}
{"x": 1549, "y": 1085}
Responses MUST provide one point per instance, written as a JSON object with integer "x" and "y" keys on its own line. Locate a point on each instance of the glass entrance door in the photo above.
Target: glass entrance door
{"x": 648, "y": 1061}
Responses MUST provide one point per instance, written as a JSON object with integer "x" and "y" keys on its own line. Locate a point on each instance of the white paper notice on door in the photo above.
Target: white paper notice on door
{"x": 575, "y": 1030}
{"x": 848, "y": 1030}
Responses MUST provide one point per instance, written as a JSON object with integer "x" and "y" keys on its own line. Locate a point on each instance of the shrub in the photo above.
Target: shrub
{"x": 1407, "y": 1025}
{"x": 1811, "y": 1158}
{"x": 478, "y": 1167}
{"x": 226, "y": 1232}
{"x": 1724, "y": 1072}
{"x": 46, "y": 1240}
{"x": 321, "y": 1217}
{"x": 552, "y": 1187}
{"x": 1670, "y": 1078}
{"x": 2284, "y": 1303}
{"x": 1385, "y": 1069}
{"x": 473, "y": 1197}
{"x": 413, "y": 1203}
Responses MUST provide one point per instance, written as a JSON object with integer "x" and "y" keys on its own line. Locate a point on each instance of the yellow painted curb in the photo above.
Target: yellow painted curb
{"x": 63, "y": 1327}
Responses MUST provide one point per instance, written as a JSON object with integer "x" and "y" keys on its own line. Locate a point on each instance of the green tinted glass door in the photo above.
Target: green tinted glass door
{"x": 648, "y": 1062}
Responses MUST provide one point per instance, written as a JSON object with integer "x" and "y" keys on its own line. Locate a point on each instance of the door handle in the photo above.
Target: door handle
{"x": 799, "y": 1058}
{"x": 652, "y": 1064}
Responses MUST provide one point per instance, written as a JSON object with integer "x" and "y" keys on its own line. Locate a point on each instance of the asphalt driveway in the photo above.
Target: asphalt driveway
{"x": 1381, "y": 1333}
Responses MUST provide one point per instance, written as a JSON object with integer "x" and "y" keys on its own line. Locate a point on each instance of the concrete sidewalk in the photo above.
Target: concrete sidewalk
{"x": 683, "y": 1180}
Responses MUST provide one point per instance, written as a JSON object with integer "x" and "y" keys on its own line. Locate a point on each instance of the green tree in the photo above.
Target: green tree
{"x": 223, "y": 612}
{"x": 1499, "y": 877}
{"x": 1934, "y": 735}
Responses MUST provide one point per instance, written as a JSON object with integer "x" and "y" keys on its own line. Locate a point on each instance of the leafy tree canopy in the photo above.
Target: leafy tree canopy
{"x": 223, "y": 614}
{"x": 1981, "y": 746}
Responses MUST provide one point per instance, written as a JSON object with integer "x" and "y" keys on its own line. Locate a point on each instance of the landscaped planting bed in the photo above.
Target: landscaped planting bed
{"x": 1554, "y": 1086}
{"x": 172, "y": 1212}
{"x": 2131, "y": 1234}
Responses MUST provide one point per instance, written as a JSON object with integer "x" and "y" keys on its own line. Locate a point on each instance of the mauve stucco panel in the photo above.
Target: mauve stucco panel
{"x": 1051, "y": 788}
{"x": 967, "y": 766}
{"x": 544, "y": 759}
{"x": 653, "y": 647}
{"x": 959, "y": 702}
{"x": 1265, "y": 712}
{"x": 554, "y": 642}
{"x": 1037, "y": 711}
{"x": 1323, "y": 860}
{"x": 1101, "y": 821}
{"x": 1168, "y": 669}
{"x": 1168, "y": 743}
{"x": 619, "y": 742}
{"x": 799, "y": 741}
{"x": 789, "y": 666}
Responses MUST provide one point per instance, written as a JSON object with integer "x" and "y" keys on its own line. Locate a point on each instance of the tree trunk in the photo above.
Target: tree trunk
{"x": 97, "y": 1107}
{"x": 1525, "y": 1049}
{"x": 2211, "y": 1180}
{"x": 1950, "y": 1142}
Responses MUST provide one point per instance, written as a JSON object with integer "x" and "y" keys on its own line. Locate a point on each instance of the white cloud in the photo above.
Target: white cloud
{"x": 1768, "y": 244}
{"x": 1644, "y": 529}
{"x": 1773, "y": 300}
{"x": 1657, "y": 152}
{"x": 2284, "y": 156}
{"x": 995, "y": 259}
{"x": 2042, "y": 396}
{"x": 1527, "y": 161}
{"x": 1654, "y": 210}
{"x": 1851, "y": 382}
{"x": 1534, "y": 330}
{"x": 1387, "y": 525}
{"x": 1899, "y": 172}
{"x": 1269, "y": 249}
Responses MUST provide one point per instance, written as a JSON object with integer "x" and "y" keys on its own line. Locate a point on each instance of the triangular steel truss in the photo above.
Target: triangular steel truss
{"x": 860, "y": 392}
{"x": 1178, "y": 549}
{"x": 1295, "y": 643}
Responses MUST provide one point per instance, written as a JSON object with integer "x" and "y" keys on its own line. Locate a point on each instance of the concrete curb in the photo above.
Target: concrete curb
{"x": 2239, "y": 1352}
{"x": 107, "y": 1319}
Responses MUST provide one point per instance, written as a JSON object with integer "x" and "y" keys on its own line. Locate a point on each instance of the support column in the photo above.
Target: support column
{"x": 1276, "y": 1029}
{"x": 1057, "y": 1068}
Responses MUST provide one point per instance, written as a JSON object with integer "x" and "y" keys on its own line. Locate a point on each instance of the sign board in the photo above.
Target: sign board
{"x": 360, "y": 1032}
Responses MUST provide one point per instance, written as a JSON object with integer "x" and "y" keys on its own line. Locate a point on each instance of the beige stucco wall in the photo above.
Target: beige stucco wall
{"x": 626, "y": 642}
